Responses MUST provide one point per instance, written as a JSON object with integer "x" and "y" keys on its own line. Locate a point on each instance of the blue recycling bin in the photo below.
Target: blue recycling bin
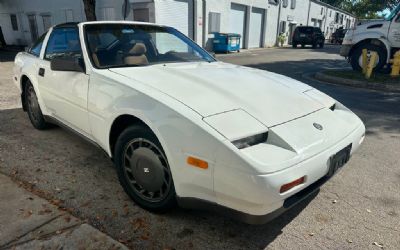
{"x": 226, "y": 42}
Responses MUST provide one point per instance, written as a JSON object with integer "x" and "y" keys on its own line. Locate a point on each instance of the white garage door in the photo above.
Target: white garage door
{"x": 256, "y": 27}
{"x": 237, "y": 21}
{"x": 177, "y": 14}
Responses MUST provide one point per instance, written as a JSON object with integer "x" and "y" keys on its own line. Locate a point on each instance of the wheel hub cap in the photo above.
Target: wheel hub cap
{"x": 147, "y": 170}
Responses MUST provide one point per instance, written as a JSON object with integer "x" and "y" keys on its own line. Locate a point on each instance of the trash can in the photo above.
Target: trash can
{"x": 226, "y": 42}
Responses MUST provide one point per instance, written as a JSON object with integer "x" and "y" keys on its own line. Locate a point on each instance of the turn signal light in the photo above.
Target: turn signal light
{"x": 292, "y": 184}
{"x": 197, "y": 162}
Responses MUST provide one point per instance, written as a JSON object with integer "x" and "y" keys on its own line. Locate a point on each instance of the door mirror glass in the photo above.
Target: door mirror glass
{"x": 67, "y": 63}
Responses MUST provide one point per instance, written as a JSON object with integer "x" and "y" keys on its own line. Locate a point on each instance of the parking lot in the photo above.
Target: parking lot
{"x": 358, "y": 209}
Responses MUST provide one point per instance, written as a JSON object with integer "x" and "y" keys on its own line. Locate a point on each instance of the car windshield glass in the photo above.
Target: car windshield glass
{"x": 393, "y": 13}
{"x": 306, "y": 30}
{"x": 132, "y": 45}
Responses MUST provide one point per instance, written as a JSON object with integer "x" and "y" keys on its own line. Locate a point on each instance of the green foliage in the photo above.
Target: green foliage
{"x": 365, "y": 9}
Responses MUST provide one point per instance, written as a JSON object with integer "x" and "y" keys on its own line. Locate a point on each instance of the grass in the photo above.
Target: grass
{"x": 355, "y": 75}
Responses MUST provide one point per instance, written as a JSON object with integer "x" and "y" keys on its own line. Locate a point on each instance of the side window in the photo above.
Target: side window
{"x": 63, "y": 42}
{"x": 37, "y": 46}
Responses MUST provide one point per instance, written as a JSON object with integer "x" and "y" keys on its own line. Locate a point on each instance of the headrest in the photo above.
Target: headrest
{"x": 138, "y": 49}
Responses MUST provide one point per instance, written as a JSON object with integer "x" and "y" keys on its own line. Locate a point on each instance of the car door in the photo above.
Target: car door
{"x": 394, "y": 32}
{"x": 65, "y": 92}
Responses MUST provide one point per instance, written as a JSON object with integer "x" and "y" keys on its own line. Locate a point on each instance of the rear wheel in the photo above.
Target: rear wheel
{"x": 143, "y": 169}
{"x": 294, "y": 45}
{"x": 303, "y": 45}
{"x": 321, "y": 45}
{"x": 33, "y": 108}
{"x": 356, "y": 56}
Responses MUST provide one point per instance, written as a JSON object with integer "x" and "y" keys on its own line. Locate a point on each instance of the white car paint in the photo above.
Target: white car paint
{"x": 197, "y": 109}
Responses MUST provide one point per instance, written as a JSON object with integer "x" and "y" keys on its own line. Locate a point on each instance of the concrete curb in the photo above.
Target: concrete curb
{"x": 30, "y": 222}
{"x": 321, "y": 76}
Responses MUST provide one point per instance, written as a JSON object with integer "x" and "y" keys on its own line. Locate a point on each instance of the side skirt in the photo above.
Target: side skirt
{"x": 57, "y": 122}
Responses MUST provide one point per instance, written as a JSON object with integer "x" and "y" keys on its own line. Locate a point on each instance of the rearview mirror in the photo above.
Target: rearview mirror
{"x": 67, "y": 63}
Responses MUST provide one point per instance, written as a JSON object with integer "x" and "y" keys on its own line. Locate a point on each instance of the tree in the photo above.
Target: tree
{"x": 90, "y": 9}
{"x": 363, "y": 8}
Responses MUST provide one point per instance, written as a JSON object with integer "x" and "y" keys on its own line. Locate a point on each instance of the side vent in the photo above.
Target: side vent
{"x": 375, "y": 26}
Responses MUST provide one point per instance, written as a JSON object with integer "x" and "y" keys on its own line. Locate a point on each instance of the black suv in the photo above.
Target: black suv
{"x": 307, "y": 35}
{"x": 338, "y": 36}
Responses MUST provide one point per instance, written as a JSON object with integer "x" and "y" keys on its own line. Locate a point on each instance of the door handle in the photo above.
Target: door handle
{"x": 41, "y": 72}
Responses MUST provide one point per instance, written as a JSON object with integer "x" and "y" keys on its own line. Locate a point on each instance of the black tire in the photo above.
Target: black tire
{"x": 135, "y": 181}
{"x": 303, "y": 45}
{"x": 321, "y": 45}
{"x": 357, "y": 53}
{"x": 33, "y": 108}
{"x": 294, "y": 45}
{"x": 314, "y": 45}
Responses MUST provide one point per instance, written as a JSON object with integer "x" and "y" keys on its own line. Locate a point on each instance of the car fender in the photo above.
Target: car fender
{"x": 180, "y": 130}
{"x": 360, "y": 38}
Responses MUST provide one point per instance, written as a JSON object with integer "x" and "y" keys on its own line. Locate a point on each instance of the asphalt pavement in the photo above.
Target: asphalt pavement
{"x": 358, "y": 209}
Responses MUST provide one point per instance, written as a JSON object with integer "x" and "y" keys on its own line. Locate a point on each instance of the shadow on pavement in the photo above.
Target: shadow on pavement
{"x": 70, "y": 170}
{"x": 8, "y": 55}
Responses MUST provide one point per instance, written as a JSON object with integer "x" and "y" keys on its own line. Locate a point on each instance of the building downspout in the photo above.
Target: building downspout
{"x": 279, "y": 24}
{"x": 204, "y": 22}
{"x": 308, "y": 15}
{"x": 194, "y": 21}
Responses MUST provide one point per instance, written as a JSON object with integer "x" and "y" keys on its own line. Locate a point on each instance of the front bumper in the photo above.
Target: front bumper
{"x": 256, "y": 199}
{"x": 345, "y": 50}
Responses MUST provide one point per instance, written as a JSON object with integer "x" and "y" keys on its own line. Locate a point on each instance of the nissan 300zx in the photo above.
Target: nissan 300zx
{"x": 182, "y": 127}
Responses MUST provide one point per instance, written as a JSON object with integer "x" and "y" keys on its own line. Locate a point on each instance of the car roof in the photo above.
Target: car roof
{"x": 76, "y": 24}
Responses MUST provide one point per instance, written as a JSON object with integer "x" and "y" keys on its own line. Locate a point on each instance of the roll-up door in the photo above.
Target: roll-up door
{"x": 237, "y": 21}
{"x": 177, "y": 14}
{"x": 256, "y": 27}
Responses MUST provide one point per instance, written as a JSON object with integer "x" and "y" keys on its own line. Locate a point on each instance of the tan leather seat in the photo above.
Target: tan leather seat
{"x": 137, "y": 55}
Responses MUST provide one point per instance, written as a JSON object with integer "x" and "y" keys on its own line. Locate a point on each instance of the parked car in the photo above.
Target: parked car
{"x": 338, "y": 35}
{"x": 307, "y": 35}
{"x": 182, "y": 127}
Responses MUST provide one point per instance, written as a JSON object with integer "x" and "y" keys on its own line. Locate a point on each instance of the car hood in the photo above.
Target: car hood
{"x": 212, "y": 88}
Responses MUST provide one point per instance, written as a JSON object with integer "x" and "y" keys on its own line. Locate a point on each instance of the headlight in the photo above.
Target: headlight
{"x": 251, "y": 140}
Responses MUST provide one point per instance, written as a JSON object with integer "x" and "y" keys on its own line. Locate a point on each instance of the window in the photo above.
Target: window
{"x": 283, "y": 27}
{"x": 46, "y": 22}
{"x": 276, "y": 2}
{"x": 293, "y": 4}
{"x": 135, "y": 45}
{"x": 336, "y": 17}
{"x": 322, "y": 10}
{"x": 285, "y": 3}
{"x": 330, "y": 13}
{"x": 141, "y": 15}
{"x": 14, "y": 22}
{"x": 63, "y": 41}
{"x": 214, "y": 22}
{"x": 37, "y": 46}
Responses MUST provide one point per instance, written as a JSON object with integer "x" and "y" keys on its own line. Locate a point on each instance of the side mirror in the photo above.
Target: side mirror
{"x": 67, "y": 63}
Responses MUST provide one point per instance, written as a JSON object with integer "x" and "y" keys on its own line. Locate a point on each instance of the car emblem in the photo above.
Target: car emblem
{"x": 318, "y": 126}
{"x": 146, "y": 170}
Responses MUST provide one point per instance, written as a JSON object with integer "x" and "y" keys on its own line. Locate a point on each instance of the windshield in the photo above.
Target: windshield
{"x": 130, "y": 45}
{"x": 393, "y": 13}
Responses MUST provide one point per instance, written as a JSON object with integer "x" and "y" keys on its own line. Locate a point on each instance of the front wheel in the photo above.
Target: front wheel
{"x": 356, "y": 56}
{"x": 143, "y": 169}
{"x": 294, "y": 45}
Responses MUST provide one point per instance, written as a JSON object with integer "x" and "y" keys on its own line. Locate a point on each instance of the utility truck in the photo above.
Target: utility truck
{"x": 382, "y": 36}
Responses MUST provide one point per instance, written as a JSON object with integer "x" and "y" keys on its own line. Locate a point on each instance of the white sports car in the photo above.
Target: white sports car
{"x": 182, "y": 127}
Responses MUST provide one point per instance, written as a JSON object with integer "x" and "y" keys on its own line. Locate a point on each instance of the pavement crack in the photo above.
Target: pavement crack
{"x": 9, "y": 244}
{"x": 41, "y": 237}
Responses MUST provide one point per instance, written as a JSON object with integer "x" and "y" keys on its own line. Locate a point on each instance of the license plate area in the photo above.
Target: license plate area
{"x": 338, "y": 160}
